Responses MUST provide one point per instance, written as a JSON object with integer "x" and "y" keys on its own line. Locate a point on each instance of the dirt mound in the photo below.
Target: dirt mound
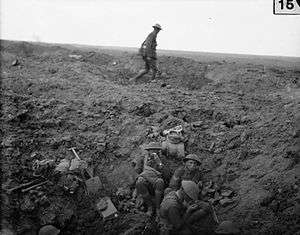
{"x": 242, "y": 120}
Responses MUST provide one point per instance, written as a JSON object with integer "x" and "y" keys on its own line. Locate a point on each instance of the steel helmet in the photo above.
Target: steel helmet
{"x": 157, "y": 26}
{"x": 190, "y": 188}
{"x": 227, "y": 227}
{"x": 153, "y": 145}
{"x": 193, "y": 157}
{"x": 49, "y": 230}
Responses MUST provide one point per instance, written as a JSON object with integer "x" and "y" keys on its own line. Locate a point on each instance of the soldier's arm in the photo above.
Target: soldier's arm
{"x": 176, "y": 178}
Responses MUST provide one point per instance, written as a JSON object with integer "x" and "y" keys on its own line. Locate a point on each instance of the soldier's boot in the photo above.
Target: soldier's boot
{"x": 154, "y": 72}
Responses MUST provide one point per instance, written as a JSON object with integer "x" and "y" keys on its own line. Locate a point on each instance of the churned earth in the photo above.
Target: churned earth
{"x": 240, "y": 115}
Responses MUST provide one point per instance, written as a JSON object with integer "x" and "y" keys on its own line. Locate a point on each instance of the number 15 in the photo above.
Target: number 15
{"x": 289, "y": 4}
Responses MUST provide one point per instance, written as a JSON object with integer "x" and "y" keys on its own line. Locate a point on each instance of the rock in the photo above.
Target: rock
{"x": 225, "y": 202}
{"x": 211, "y": 190}
{"x": 226, "y": 193}
{"x": 255, "y": 152}
{"x": 197, "y": 124}
{"x": 244, "y": 136}
{"x": 15, "y": 62}
{"x": 213, "y": 200}
{"x": 217, "y": 196}
{"x": 218, "y": 150}
{"x": 234, "y": 144}
{"x": 101, "y": 147}
{"x": 76, "y": 56}
{"x": 27, "y": 204}
{"x": 211, "y": 147}
{"x": 122, "y": 152}
{"x": 168, "y": 86}
{"x": 53, "y": 70}
{"x": 164, "y": 74}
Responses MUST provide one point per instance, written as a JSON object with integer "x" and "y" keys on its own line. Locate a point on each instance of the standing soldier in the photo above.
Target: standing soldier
{"x": 148, "y": 53}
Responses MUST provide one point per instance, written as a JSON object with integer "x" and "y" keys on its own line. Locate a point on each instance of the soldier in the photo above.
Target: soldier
{"x": 190, "y": 171}
{"x": 148, "y": 53}
{"x": 173, "y": 209}
{"x": 150, "y": 183}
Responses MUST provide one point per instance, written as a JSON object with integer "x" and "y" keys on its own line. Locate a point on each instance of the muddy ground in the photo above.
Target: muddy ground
{"x": 241, "y": 116}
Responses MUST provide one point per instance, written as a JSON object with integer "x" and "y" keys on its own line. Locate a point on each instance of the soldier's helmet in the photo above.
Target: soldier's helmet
{"x": 49, "y": 230}
{"x": 157, "y": 26}
{"x": 190, "y": 188}
{"x": 194, "y": 157}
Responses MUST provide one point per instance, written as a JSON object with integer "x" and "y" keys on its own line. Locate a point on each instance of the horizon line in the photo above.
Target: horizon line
{"x": 162, "y": 50}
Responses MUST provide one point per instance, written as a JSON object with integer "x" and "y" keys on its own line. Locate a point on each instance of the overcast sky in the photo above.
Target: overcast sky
{"x": 228, "y": 26}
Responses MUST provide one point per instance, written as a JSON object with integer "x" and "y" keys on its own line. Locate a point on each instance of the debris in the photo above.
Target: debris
{"x": 197, "y": 124}
{"x": 225, "y": 202}
{"x": 177, "y": 129}
{"x": 211, "y": 147}
{"x": 93, "y": 184}
{"x": 53, "y": 70}
{"x": 123, "y": 193}
{"x": 63, "y": 166}
{"x": 69, "y": 182}
{"x": 226, "y": 193}
{"x": 76, "y": 56}
{"x": 34, "y": 186}
{"x": 78, "y": 164}
{"x": 106, "y": 207}
{"x": 27, "y": 204}
{"x": 43, "y": 166}
{"x": 102, "y": 205}
{"x": 15, "y": 62}
{"x": 19, "y": 187}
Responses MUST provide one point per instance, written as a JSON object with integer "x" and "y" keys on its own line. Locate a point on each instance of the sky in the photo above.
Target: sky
{"x": 226, "y": 26}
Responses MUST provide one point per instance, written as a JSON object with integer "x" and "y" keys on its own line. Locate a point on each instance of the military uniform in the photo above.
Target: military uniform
{"x": 201, "y": 220}
{"x": 182, "y": 173}
{"x": 150, "y": 184}
{"x": 171, "y": 215}
{"x": 148, "y": 53}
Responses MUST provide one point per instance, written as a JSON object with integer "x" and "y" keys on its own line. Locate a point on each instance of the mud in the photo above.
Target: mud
{"x": 241, "y": 116}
